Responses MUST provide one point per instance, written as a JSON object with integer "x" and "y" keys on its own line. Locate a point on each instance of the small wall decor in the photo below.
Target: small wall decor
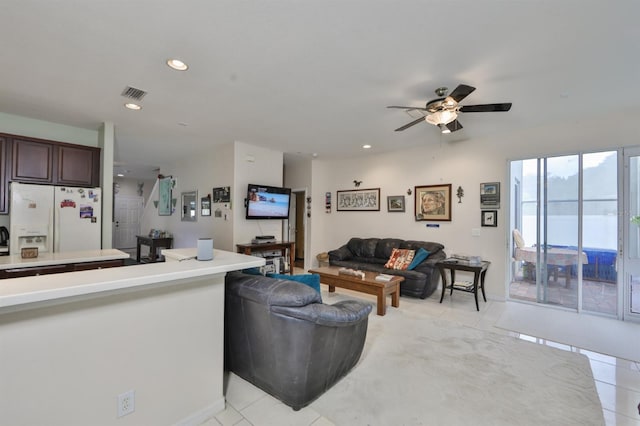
{"x": 489, "y": 218}
{"x": 490, "y": 195}
{"x": 358, "y": 200}
{"x": 165, "y": 186}
{"x": 327, "y": 202}
{"x": 189, "y": 206}
{"x": 395, "y": 203}
{"x": 357, "y": 183}
{"x": 460, "y": 194}
{"x": 409, "y": 191}
{"x": 222, "y": 194}
{"x": 205, "y": 206}
{"x": 433, "y": 202}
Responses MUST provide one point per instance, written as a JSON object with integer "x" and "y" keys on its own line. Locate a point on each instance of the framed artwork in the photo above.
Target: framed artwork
{"x": 358, "y": 200}
{"x": 164, "y": 196}
{"x": 489, "y": 218}
{"x": 395, "y": 203}
{"x": 433, "y": 202}
{"x": 222, "y": 194}
{"x": 490, "y": 195}
{"x": 205, "y": 206}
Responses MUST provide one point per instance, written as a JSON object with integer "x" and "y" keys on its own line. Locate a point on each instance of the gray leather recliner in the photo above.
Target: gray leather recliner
{"x": 281, "y": 337}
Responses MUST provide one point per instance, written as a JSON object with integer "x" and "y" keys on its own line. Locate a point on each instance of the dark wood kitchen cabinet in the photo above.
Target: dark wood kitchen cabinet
{"x": 48, "y": 162}
{"x": 77, "y": 166}
{"x": 4, "y": 204}
{"x": 32, "y": 161}
{"x": 18, "y": 272}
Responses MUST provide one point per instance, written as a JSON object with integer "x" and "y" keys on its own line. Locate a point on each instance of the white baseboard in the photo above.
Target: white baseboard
{"x": 199, "y": 417}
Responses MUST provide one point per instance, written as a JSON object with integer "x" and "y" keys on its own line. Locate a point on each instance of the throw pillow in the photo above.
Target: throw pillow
{"x": 420, "y": 255}
{"x": 312, "y": 280}
{"x": 400, "y": 259}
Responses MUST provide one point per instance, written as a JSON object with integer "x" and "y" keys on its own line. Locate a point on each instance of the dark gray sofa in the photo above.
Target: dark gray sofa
{"x": 371, "y": 254}
{"x": 281, "y": 337}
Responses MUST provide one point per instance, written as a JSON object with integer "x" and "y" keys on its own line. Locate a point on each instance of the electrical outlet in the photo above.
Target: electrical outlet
{"x": 126, "y": 403}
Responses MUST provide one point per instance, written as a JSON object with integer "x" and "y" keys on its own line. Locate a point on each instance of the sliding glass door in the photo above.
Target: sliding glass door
{"x": 631, "y": 295}
{"x": 564, "y": 209}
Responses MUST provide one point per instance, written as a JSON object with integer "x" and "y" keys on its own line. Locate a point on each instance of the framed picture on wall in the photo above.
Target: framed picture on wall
{"x": 433, "y": 202}
{"x": 165, "y": 186}
{"x": 490, "y": 195}
{"x": 395, "y": 203}
{"x": 489, "y": 218}
{"x": 222, "y": 194}
{"x": 205, "y": 206}
{"x": 358, "y": 200}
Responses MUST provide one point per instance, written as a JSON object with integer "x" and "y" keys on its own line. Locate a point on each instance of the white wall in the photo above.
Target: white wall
{"x": 23, "y": 126}
{"x": 106, "y": 141}
{"x": 466, "y": 164}
{"x": 253, "y": 164}
{"x": 297, "y": 176}
{"x": 129, "y": 187}
{"x": 205, "y": 171}
{"x": 66, "y": 364}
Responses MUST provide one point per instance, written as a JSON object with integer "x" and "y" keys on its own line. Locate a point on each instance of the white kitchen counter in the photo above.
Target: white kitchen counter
{"x": 17, "y": 292}
{"x": 182, "y": 254}
{"x": 48, "y": 259}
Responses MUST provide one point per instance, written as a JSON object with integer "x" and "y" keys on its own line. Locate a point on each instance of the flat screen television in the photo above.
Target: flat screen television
{"x": 267, "y": 202}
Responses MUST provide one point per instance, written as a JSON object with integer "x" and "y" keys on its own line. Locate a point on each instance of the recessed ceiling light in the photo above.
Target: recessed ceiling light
{"x": 177, "y": 64}
{"x": 120, "y": 175}
{"x": 366, "y": 146}
{"x": 133, "y": 106}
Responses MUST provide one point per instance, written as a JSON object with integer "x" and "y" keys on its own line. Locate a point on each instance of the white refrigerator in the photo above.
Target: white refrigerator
{"x": 54, "y": 218}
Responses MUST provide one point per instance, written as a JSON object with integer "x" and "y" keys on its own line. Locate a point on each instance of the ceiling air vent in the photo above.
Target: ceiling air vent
{"x": 133, "y": 93}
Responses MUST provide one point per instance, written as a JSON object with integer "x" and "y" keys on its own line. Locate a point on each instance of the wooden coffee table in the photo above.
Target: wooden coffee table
{"x": 329, "y": 275}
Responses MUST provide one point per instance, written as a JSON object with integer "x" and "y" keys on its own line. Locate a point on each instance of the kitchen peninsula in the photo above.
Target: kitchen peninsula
{"x": 72, "y": 342}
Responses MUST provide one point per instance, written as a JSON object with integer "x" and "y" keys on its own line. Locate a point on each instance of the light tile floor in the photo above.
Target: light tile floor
{"x": 617, "y": 380}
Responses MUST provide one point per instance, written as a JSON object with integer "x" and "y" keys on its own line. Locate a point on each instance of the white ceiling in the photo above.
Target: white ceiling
{"x": 303, "y": 76}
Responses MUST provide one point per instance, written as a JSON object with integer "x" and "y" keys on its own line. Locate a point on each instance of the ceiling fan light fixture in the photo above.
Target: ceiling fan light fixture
{"x": 444, "y": 129}
{"x": 441, "y": 117}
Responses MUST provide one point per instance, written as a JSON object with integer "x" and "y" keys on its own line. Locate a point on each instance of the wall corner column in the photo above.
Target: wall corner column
{"x": 106, "y": 141}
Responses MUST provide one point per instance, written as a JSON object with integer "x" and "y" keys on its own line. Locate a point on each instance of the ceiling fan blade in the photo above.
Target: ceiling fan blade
{"x": 454, "y": 126}
{"x": 407, "y": 108}
{"x": 486, "y": 107}
{"x": 461, "y": 92}
{"x": 413, "y": 123}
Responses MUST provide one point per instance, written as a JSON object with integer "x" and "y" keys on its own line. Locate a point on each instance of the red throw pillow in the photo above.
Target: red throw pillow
{"x": 400, "y": 259}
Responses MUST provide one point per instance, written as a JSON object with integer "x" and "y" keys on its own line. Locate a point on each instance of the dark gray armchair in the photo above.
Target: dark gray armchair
{"x": 281, "y": 337}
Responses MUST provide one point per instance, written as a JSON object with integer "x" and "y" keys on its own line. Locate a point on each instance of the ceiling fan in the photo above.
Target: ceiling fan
{"x": 443, "y": 111}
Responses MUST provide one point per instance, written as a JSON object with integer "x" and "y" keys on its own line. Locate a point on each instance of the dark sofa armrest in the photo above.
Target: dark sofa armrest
{"x": 342, "y": 253}
{"x": 340, "y": 314}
